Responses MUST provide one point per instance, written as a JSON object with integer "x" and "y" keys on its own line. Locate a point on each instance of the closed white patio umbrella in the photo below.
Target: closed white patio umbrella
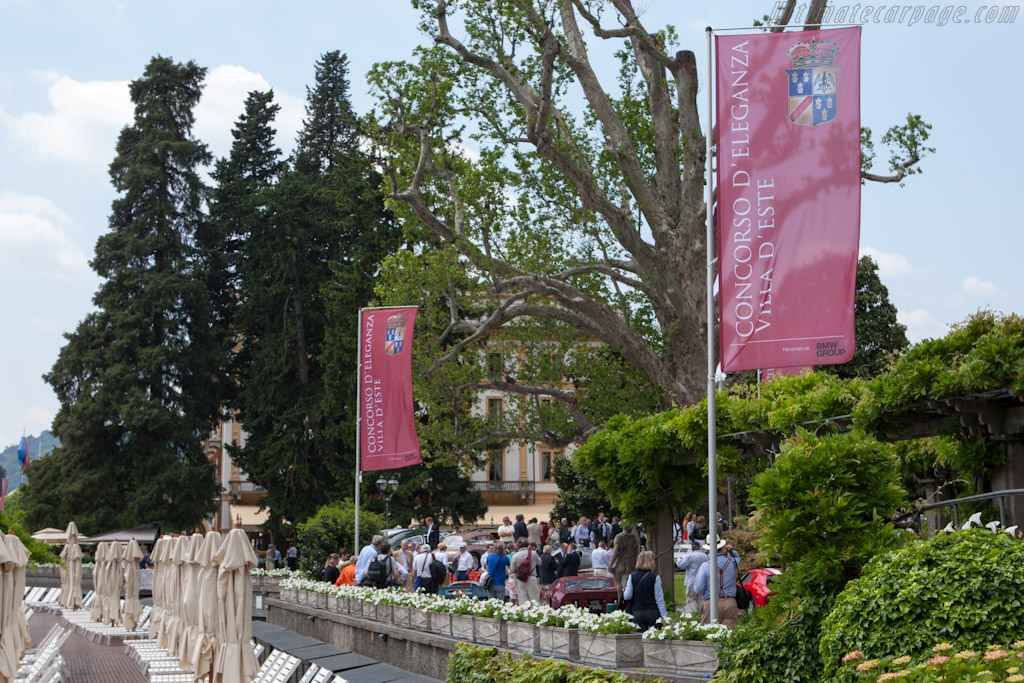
{"x": 132, "y": 609}
{"x": 71, "y": 572}
{"x": 235, "y": 661}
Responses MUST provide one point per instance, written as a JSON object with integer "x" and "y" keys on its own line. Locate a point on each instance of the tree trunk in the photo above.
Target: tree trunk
{"x": 662, "y": 543}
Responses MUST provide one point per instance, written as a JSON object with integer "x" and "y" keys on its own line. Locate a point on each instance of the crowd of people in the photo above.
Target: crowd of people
{"x": 530, "y": 555}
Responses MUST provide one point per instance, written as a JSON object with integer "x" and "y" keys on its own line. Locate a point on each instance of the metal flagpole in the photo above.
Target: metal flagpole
{"x": 359, "y": 422}
{"x": 712, "y": 446}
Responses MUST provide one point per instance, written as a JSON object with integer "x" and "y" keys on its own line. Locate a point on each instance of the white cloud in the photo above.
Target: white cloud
{"x": 975, "y": 286}
{"x": 921, "y": 324}
{"x": 36, "y": 420}
{"x": 224, "y": 101}
{"x": 889, "y": 265}
{"x": 33, "y": 242}
{"x": 85, "y": 118}
{"x": 83, "y": 123}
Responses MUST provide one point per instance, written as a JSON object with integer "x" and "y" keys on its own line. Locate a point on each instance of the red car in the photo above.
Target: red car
{"x": 594, "y": 593}
{"x": 758, "y": 582}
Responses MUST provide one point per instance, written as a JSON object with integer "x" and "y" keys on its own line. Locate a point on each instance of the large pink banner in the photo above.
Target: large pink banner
{"x": 788, "y": 154}
{"x": 387, "y": 426}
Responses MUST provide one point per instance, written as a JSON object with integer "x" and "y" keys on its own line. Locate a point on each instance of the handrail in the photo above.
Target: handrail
{"x": 956, "y": 502}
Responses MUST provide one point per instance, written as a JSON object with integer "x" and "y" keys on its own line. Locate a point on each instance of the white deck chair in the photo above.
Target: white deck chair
{"x": 316, "y": 674}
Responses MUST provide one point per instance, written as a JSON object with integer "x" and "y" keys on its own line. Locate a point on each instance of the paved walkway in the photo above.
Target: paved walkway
{"x": 86, "y": 661}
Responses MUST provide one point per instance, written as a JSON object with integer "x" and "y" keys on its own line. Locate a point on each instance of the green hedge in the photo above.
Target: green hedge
{"x": 470, "y": 664}
{"x": 966, "y": 589}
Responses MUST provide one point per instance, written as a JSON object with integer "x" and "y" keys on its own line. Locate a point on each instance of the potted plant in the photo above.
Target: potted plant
{"x": 610, "y": 640}
{"x": 683, "y": 643}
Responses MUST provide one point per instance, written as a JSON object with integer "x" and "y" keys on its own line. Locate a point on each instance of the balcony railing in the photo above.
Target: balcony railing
{"x": 245, "y": 487}
{"x": 526, "y": 490}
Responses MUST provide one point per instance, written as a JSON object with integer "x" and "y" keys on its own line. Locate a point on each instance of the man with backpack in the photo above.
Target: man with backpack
{"x": 430, "y": 573}
{"x": 367, "y": 556}
{"x": 524, "y": 566}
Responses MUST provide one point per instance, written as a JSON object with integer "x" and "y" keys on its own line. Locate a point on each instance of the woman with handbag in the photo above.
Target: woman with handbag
{"x": 644, "y": 593}
{"x": 497, "y": 569}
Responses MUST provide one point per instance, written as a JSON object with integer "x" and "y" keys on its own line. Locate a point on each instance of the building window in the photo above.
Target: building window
{"x": 495, "y": 366}
{"x": 547, "y": 463}
{"x": 495, "y": 406}
{"x": 495, "y": 465}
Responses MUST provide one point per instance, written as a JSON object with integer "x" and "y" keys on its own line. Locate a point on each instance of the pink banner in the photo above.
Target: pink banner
{"x": 788, "y": 154}
{"x": 387, "y": 426}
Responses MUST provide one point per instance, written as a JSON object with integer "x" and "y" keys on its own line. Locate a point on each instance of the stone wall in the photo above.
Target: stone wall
{"x": 423, "y": 652}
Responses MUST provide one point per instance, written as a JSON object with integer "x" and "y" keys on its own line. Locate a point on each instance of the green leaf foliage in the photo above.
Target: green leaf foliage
{"x": 578, "y": 492}
{"x": 470, "y": 664}
{"x": 331, "y": 529}
{"x": 823, "y": 512}
{"x": 966, "y": 589}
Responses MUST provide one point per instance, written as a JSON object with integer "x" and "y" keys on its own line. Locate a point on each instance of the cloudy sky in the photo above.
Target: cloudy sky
{"x": 948, "y": 243}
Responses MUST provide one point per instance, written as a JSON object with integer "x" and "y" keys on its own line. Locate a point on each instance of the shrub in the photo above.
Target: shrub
{"x": 943, "y": 662}
{"x": 331, "y": 529}
{"x": 470, "y": 664}
{"x": 966, "y": 589}
{"x": 823, "y": 512}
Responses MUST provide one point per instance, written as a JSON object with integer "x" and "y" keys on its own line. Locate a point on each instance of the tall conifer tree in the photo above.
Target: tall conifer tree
{"x": 139, "y": 381}
{"x": 307, "y": 266}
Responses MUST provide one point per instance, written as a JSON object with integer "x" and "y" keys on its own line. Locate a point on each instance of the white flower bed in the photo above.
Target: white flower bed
{"x": 568, "y": 616}
{"x": 687, "y": 627}
{"x": 275, "y": 573}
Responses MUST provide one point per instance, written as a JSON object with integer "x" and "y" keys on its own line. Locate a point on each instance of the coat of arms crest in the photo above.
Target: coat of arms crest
{"x": 394, "y": 335}
{"x": 813, "y": 82}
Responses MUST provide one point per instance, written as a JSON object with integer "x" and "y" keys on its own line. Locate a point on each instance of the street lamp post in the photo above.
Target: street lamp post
{"x": 388, "y": 487}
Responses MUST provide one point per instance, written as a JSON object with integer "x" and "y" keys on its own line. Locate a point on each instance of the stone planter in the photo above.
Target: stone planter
{"x": 383, "y": 613}
{"x": 289, "y": 595}
{"x": 319, "y": 600}
{"x": 332, "y": 603}
{"x": 559, "y": 641}
{"x": 419, "y": 620}
{"x": 401, "y": 615}
{"x": 358, "y": 608}
{"x": 677, "y": 655}
{"x": 522, "y": 637}
{"x": 490, "y": 631}
{"x": 304, "y": 597}
{"x": 615, "y": 650}
{"x": 441, "y": 622}
{"x": 462, "y": 627}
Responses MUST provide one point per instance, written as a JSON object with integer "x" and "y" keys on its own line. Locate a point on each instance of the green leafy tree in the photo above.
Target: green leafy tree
{"x": 880, "y": 337}
{"x": 583, "y": 204}
{"x": 307, "y": 266}
{"x": 578, "y": 492}
{"x": 641, "y": 465}
{"x": 331, "y": 529}
{"x": 140, "y": 381}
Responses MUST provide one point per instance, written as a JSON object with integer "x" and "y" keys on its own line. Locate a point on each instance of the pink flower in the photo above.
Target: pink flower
{"x": 938, "y": 659}
{"x": 853, "y": 656}
{"x": 869, "y": 664}
{"x": 964, "y": 654}
{"x": 996, "y": 654}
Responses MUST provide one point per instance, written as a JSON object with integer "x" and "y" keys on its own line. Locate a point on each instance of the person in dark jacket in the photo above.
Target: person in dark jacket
{"x": 644, "y": 588}
{"x": 569, "y": 565}
{"x": 331, "y": 570}
{"x": 548, "y": 567}
{"x": 433, "y": 533}
{"x": 520, "y": 528}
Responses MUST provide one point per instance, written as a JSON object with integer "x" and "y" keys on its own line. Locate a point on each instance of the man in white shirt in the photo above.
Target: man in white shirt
{"x": 506, "y": 532}
{"x": 367, "y": 555}
{"x": 464, "y": 563}
{"x": 599, "y": 559}
{"x": 421, "y": 570}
